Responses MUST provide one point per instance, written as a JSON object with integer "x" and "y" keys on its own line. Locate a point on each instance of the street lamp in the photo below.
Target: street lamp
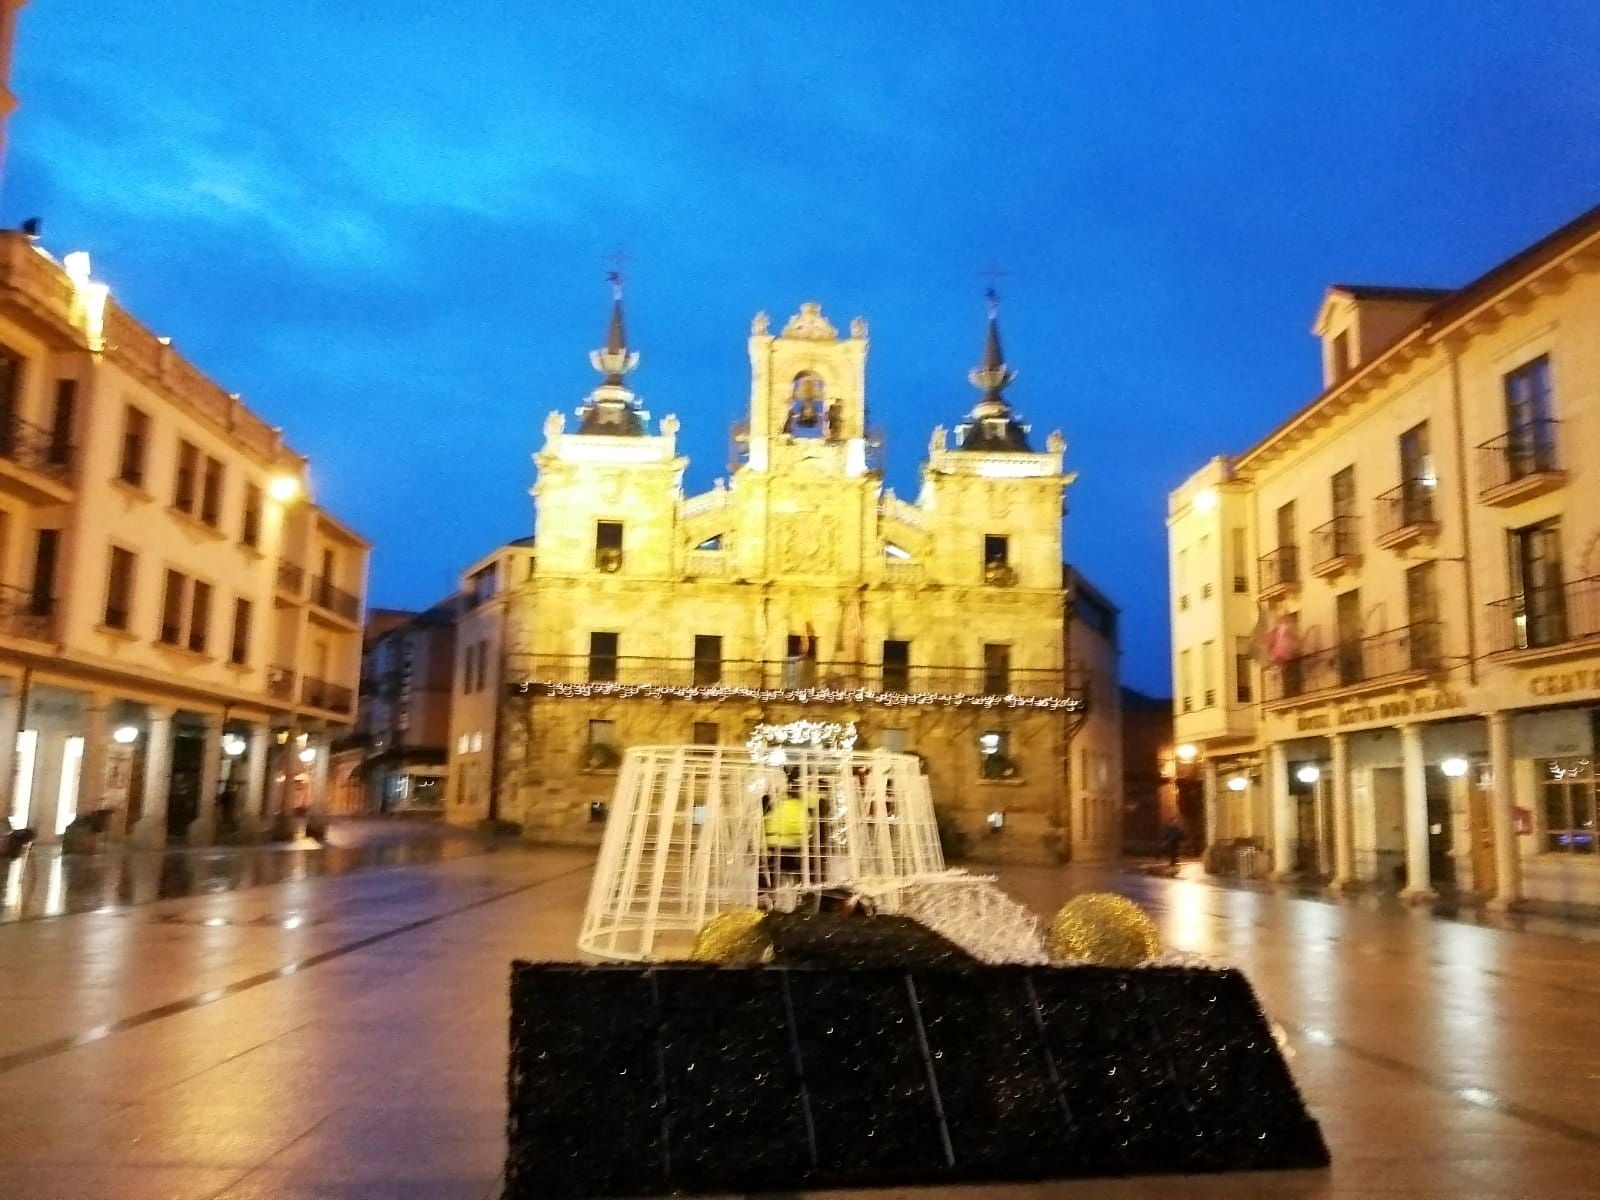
{"x": 283, "y": 488}
{"x": 232, "y": 745}
{"x": 1309, "y": 773}
{"x": 308, "y": 755}
{"x": 1237, "y": 783}
{"x": 125, "y": 735}
{"x": 1187, "y": 752}
{"x": 1454, "y": 767}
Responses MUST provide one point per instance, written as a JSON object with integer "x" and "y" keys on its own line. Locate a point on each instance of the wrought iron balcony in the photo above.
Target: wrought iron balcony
{"x": 291, "y": 577}
{"x": 1280, "y": 572}
{"x": 319, "y": 693}
{"x": 280, "y": 683}
{"x": 1411, "y": 650}
{"x": 34, "y": 448}
{"x": 1336, "y": 546}
{"x": 1520, "y": 464}
{"x": 1548, "y": 617}
{"x": 775, "y": 679}
{"x": 25, "y": 613}
{"x": 1406, "y": 513}
{"x": 335, "y": 600}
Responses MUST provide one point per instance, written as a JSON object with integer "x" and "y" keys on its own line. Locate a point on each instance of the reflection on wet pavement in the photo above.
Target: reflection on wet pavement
{"x": 47, "y": 883}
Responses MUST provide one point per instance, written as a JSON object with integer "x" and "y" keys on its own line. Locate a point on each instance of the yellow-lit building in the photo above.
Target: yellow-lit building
{"x": 180, "y": 623}
{"x": 1386, "y": 614}
{"x": 799, "y": 588}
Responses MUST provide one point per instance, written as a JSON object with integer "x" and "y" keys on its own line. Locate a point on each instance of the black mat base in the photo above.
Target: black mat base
{"x": 632, "y": 1081}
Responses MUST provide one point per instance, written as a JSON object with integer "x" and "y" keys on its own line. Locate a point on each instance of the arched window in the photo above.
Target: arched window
{"x": 808, "y": 406}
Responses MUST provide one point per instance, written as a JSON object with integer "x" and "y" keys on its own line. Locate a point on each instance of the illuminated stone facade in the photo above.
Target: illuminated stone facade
{"x": 800, "y": 587}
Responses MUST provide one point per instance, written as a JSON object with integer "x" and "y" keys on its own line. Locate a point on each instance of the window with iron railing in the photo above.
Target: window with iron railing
{"x": 602, "y": 657}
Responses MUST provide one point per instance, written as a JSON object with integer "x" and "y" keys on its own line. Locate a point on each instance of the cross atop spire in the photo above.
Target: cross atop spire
{"x": 611, "y": 408}
{"x": 614, "y": 360}
{"x": 991, "y": 425}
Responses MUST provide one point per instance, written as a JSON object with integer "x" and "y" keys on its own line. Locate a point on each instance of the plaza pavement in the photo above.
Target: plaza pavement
{"x": 342, "y": 1037}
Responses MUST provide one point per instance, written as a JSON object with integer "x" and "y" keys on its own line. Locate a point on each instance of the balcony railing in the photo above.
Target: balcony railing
{"x": 1408, "y": 650}
{"x": 1280, "y": 569}
{"x": 334, "y": 599}
{"x": 1520, "y": 458}
{"x": 291, "y": 577}
{"x": 1548, "y": 616}
{"x": 1335, "y": 544}
{"x": 280, "y": 683}
{"x": 1406, "y": 513}
{"x": 25, "y": 613}
{"x": 319, "y": 693}
{"x": 741, "y": 676}
{"x": 35, "y": 448}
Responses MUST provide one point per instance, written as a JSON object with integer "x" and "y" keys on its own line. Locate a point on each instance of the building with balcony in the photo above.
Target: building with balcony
{"x": 394, "y": 758}
{"x": 800, "y": 588}
{"x": 180, "y": 623}
{"x": 1386, "y": 614}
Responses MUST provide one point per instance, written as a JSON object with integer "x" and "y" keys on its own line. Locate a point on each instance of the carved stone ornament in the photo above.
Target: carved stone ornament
{"x": 809, "y": 323}
{"x": 937, "y": 444}
{"x": 807, "y": 545}
{"x": 760, "y": 324}
{"x": 669, "y": 425}
{"x": 858, "y": 327}
{"x": 1055, "y": 443}
{"x": 554, "y": 424}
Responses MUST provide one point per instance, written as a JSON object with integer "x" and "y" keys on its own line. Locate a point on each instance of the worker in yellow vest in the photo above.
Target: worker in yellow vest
{"x": 786, "y": 827}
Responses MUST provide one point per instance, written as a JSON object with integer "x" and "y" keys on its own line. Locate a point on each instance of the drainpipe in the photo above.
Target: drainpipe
{"x": 1466, "y": 523}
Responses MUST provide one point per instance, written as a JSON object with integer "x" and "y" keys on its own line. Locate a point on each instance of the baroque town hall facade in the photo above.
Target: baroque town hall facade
{"x": 800, "y": 589}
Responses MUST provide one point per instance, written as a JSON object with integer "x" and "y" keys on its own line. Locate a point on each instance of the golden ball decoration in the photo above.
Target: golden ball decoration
{"x": 1103, "y": 928}
{"x": 735, "y": 938}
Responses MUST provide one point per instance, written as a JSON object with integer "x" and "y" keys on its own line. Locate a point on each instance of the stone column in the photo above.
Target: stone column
{"x": 1413, "y": 773}
{"x": 204, "y": 830}
{"x": 1208, "y": 778}
{"x": 1502, "y": 800}
{"x": 254, "y": 801}
{"x": 1343, "y": 817}
{"x": 1282, "y": 812}
{"x": 92, "y": 770}
{"x": 151, "y": 828}
{"x": 10, "y": 727}
{"x": 49, "y": 753}
{"x": 319, "y": 776}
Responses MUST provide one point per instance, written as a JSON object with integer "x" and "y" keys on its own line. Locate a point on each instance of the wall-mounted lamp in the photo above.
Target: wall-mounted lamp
{"x": 1237, "y": 783}
{"x": 308, "y": 755}
{"x": 1454, "y": 767}
{"x": 997, "y": 821}
{"x": 283, "y": 488}
{"x": 1205, "y": 500}
{"x": 1187, "y": 752}
{"x": 1309, "y": 773}
{"x": 125, "y": 735}
{"x": 232, "y": 745}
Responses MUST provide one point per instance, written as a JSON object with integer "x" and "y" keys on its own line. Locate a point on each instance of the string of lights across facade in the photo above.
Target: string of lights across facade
{"x": 813, "y": 695}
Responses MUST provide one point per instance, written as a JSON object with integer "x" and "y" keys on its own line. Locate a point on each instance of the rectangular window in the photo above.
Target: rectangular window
{"x": 466, "y": 670}
{"x": 994, "y": 755}
{"x": 705, "y": 733}
{"x": 1208, "y": 693}
{"x": 608, "y": 545}
{"x": 483, "y": 664}
{"x": 135, "y": 445}
{"x": 1183, "y": 579}
{"x": 1417, "y": 480}
{"x": 1341, "y": 355}
{"x": 896, "y": 666}
{"x": 1422, "y": 615}
{"x": 61, "y": 419}
{"x": 996, "y": 669}
{"x": 707, "y": 659}
{"x": 1347, "y": 617}
{"x": 211, "y": 493}
{"x": 172, "y": 608}
{"x": 1539, "y": 599}
{"x": 200, "y": 617}
{"x": 46, "y": 550}
{"x": 1243, "y": 692}
{"x": 602, "y": 752}
{"x": 119, "y": 588}
{"x": 602, "y": 657}
{"x": 1530, "y": 440}
{"x": 1239, "y": 552}
{"x": 1186, "y": 679}
{"x": 996, "y": 550}
{"x": 10, "y": 389}
{"x": 183, "y": 483}
{"x": 1569, "y": 803}
{"x": 239, "y": 651}
{"x": 250, "y": 525}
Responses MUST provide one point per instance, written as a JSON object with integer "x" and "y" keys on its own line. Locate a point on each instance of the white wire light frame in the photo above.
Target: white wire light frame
{"x": 697, "y": 830}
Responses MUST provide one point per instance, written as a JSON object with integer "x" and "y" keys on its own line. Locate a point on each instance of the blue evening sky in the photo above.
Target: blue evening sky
{"x": 385, "y": 223}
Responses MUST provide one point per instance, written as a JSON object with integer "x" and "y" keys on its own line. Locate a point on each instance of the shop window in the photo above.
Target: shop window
{"x": 1568, "y": 794}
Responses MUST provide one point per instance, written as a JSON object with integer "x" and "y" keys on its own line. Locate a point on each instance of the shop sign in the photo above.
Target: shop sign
{"x": 1364, "y": 712}
{"x": 1559, "y": 683}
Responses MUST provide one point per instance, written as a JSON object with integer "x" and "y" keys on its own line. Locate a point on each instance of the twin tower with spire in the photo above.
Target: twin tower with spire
{"x": 823, "y": 398}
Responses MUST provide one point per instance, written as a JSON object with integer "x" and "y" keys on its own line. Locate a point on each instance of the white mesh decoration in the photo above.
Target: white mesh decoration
{"x": 976, "y": 915}
{"x": 696, "y": 830}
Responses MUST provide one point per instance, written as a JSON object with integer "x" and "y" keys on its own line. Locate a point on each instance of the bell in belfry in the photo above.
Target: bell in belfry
{"x": 807, "y": 403}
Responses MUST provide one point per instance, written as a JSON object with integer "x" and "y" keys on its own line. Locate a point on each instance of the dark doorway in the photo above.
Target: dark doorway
{"x": 1441, "y": 863}
{"x": 183, "y": 795}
